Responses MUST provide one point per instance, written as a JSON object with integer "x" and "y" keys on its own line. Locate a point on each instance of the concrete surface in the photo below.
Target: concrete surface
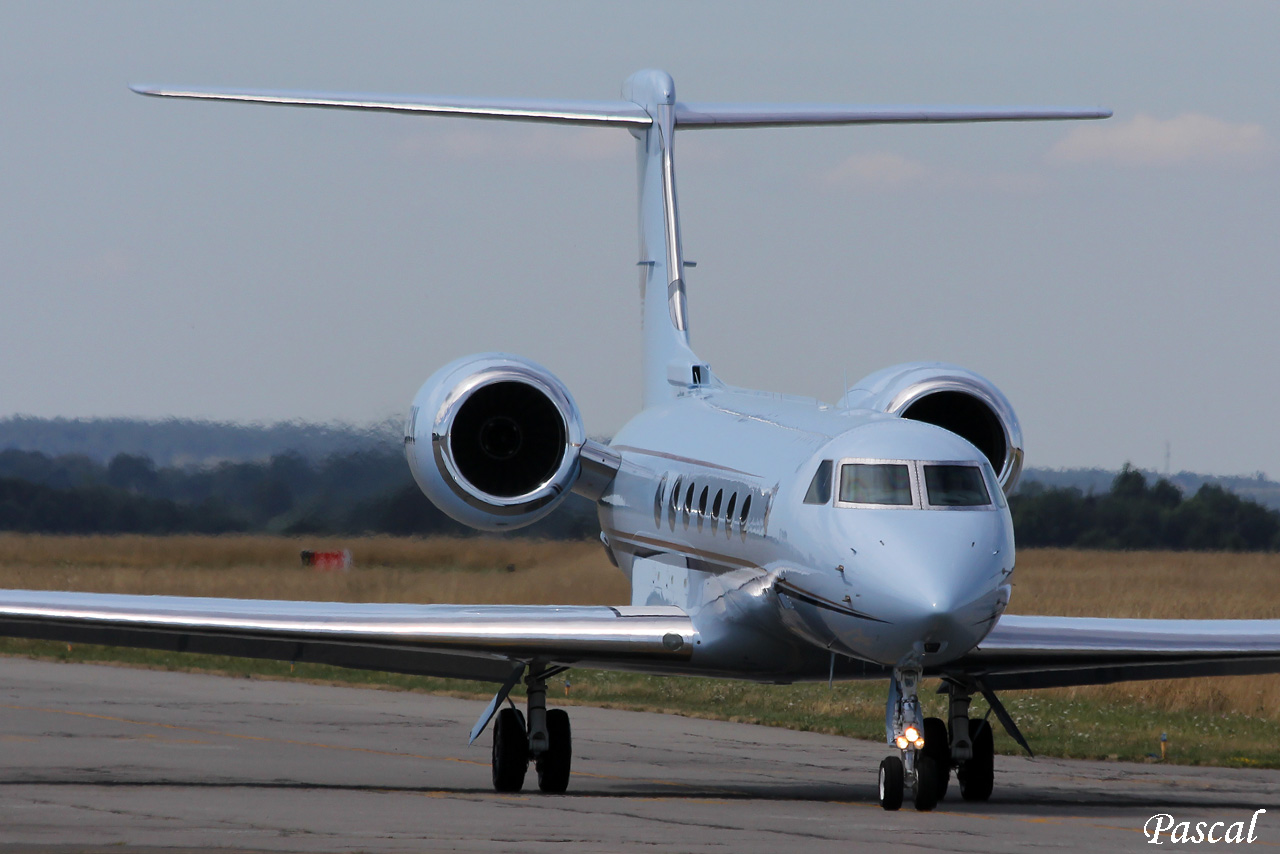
{"x": 93, "y": 758}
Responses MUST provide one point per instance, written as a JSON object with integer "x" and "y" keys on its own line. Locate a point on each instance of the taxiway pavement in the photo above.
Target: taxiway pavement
{"x": 93, "y": 757}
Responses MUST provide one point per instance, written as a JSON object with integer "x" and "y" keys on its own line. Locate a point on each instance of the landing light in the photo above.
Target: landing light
{"x": 919, "y": 744}
{"x": 912, "y": 734}
{"x": 902, "y": 742}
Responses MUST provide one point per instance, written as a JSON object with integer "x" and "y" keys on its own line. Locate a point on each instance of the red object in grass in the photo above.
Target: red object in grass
{"x": 327, "y": 561}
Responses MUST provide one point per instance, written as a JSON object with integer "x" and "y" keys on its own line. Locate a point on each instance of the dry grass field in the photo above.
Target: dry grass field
{"x": 385, "y": 569}
{"x": 1186, "y": 585}
{"x": 479, "y": 570}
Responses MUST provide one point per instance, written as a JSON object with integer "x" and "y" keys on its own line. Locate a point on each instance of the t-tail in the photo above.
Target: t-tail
{"x": 652, "y": 114}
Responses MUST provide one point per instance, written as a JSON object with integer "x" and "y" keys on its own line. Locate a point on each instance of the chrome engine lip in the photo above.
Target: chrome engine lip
{"x": 508, "y": 369}
{"x": 894, "y": 390}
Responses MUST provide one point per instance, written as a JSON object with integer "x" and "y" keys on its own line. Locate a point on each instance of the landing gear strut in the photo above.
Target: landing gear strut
{"x": 545, "y": 738}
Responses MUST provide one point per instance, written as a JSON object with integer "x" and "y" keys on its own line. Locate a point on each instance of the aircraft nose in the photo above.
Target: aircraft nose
{"x": 938, "y": 611}
{"x": 940, "y": 592}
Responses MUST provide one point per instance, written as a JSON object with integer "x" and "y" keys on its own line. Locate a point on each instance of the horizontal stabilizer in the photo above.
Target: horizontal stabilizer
{"x": 782, "y": 115}
{"x": 519, "y": 109}
{"x": 627, "y": 113}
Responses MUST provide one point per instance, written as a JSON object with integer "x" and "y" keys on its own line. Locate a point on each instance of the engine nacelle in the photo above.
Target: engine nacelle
{"x": 494, "y": 441}
{"x": 954, "y": 399}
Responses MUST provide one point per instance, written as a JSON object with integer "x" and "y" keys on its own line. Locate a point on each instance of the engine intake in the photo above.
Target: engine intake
{"x": 953, "y": 398}
{"x": 507, "y": 438}
{"x": 495, "y": 441}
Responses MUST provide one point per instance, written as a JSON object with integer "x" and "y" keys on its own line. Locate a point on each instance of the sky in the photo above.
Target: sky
{"x": 1117, "y": 280}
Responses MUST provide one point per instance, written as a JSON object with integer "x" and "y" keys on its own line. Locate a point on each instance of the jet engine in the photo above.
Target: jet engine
{"x": 496, "y": 442}
{"x": 954, "y": 399}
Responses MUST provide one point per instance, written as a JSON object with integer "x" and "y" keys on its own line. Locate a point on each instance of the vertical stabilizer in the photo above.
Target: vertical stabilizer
{"x": 669, "y": 363}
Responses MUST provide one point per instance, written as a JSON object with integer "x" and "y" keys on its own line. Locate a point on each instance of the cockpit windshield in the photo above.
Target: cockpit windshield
{"x": 955, "y": 486}
{"x": 875, "y": 483}
{"x": 906, "y": 484}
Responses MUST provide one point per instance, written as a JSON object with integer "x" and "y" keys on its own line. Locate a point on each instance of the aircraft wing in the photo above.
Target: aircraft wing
{"x": 477, "y": 642}
{"x": 1046, "y": 652}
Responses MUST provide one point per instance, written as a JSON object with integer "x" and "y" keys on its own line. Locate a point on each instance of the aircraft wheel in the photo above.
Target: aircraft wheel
{"x": 977, "y": 775}
{"x": 510, "y": 751}
{"x": 938, "y": 748}
{"x": 553, "y": 765}
{"x": 891, "y": 783}
{"x": 927, "y": 782}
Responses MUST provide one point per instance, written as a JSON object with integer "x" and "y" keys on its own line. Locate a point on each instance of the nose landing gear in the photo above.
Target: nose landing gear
{"x": 928, "y": 751}
{"x": 918, "y": 767}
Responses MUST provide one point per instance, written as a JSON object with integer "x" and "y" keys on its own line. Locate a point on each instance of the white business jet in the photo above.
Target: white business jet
{"x": 766, "y": 538}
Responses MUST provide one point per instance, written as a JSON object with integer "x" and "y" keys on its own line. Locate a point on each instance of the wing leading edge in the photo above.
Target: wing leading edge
{"x": 459, "y": 641}
{"x": 1045, "y": 652}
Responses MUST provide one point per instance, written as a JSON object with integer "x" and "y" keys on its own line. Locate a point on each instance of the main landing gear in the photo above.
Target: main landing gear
{"x": 972, "y": 748}
{"x": 545, "y": 739}
{"x": 928, "y": 751}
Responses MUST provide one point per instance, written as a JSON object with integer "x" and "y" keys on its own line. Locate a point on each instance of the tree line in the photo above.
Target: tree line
{"x": 372, "y": 492}
{"x": 1137, "y": 514}
{"x": 358, "y": 492}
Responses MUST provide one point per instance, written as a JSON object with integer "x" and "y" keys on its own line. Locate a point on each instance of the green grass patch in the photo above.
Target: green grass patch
{"x": 1085, "y": 729}
{"x": 1055, "y": 724}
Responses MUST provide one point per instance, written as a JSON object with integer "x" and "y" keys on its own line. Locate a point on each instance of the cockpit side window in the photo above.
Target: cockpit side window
{"x": 955, "y": 486}
{"x": 876, "y": 483}
{"x": 820, "y": 487}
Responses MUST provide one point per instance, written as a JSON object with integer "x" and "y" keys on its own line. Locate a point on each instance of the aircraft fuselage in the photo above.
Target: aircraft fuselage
{"x": 781, "y": 575}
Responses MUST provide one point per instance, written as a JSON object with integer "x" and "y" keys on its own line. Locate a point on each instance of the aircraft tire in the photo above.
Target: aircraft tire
{"x": 510, "y": 751}
{"x": 977, "y": 775}
{"x": 553, "y": 765}
{"x": 927, "y": 778}
{"x": 891, "y": 783}
{"x": 938, "y": 748}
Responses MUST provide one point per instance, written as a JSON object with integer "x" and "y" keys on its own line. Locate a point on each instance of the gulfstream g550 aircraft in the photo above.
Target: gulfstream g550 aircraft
{"x": 766, "y": 538}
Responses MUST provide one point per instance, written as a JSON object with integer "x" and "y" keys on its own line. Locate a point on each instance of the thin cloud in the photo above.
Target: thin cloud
{"x": 878, "y": 171}
{"x": 888, "y": 171}
{"x": 1148, "y": 141}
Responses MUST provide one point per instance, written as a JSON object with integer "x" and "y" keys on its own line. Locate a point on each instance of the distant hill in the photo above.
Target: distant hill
{"x": 1098, "y": 481}
{"x": 186, "y": 443}
{"x": 119, "y": 475}
{"x": 177, "y": 442}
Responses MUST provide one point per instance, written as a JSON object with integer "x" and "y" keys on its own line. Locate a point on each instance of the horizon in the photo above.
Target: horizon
{"x": 390, "y": 428}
